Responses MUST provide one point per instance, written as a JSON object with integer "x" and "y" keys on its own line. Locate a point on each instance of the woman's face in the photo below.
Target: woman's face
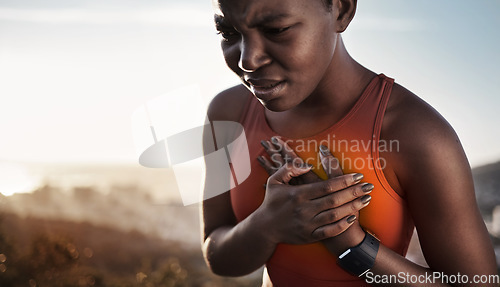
{"x": 281, "y": 49}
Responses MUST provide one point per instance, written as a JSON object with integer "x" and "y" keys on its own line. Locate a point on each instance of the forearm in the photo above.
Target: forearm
{"x": 392, "y": 269}
{"x": 238, "y": 250}
{"x": 391, "y": 266}
{"x": 389, "y": 262}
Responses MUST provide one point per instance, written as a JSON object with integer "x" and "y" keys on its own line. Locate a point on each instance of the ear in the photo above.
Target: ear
{"x": 346, "y": 11}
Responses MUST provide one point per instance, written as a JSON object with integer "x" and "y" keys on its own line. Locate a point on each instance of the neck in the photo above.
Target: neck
{"x": 343, "y": 83}
{"x": 341, "y": 86}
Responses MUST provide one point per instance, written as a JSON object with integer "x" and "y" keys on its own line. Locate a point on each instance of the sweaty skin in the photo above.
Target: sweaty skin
{"x": 290, "y": 55}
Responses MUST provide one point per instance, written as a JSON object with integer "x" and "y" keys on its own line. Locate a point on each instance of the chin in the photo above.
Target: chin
{"x": 275, "y": 105}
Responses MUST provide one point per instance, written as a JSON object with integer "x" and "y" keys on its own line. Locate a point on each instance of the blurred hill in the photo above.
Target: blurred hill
{"x": 124, "y": 208}
{"x": 43, "y": 252}
{"x": 487, "y": 185}
{"x": 111, "y": 225}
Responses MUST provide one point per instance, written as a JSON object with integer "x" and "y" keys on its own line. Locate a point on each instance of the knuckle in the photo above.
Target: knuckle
{"x": 335, "y": 229}
{"x": 319, "y": 233}
{"x": 344, "y": 182}
{"x": 333, "y": 201}
{"x": 354, "y": 207}
{"x": 356, "y": 192}
{"x": 333, "y": 215}
{"x": 327, "y": 187}
{"x": 293, "y": 196}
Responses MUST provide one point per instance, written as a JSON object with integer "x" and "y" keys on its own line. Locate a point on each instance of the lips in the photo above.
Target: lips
{"x": 265, "y": 89}
{"x": 262, "y": 83}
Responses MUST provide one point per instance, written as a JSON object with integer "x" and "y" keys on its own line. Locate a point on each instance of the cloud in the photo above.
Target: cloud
{"x": 182, "y": 16}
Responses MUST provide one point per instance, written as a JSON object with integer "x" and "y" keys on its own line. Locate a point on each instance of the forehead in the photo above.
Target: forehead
{"x": 254, "y": 11}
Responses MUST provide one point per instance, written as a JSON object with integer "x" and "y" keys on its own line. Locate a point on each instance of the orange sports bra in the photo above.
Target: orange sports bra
{"x": 355, "y": 141}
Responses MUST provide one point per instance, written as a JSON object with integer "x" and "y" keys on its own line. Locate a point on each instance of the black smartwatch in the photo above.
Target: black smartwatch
{"x": 360, "y": 259}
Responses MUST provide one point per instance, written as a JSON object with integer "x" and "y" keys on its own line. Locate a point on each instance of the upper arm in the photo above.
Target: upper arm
{"x": 434, "y": 173}
{"x": 217, "y": 211}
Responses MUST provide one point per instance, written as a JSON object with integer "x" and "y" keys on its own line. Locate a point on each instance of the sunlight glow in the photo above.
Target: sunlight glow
{"x": 16, "y": 179}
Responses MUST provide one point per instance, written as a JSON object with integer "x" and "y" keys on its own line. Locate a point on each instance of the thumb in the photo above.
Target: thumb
{"x": 288, "y": 171}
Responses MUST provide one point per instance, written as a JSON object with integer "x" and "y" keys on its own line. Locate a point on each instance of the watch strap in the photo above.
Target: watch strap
{"x": 360, "y": 259}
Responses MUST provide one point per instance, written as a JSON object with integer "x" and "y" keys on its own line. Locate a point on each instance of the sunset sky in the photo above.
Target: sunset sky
{"x": 73, "y": 72}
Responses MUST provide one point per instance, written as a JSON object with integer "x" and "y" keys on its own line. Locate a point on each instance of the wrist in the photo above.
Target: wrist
{"x": 360, "y": 259}
{"x": 353, "y": 236}
{"x": 260, "y": 222}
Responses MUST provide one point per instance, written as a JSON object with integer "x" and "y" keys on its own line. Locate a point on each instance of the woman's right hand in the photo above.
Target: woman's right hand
{"x": 306, "y": 213}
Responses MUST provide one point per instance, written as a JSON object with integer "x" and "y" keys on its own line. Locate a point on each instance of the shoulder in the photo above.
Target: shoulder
{"x": 229, "y": 104}
{"x": 412, "y": 120}
{"x": 426, "y": 141}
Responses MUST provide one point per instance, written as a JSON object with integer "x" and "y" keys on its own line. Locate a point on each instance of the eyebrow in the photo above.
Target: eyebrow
{"x": 220, "y": 20}
{"x": 266, "y": 19}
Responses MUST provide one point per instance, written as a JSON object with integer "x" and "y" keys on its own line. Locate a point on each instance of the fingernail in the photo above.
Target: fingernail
{"x": 324, "y": 150}
{"x": 275, "y": 140}
{"x": 351, "y": 219}
{"x": 261, "y": 159}
{"x": 365, "y": 199}
{"x": 357, "y": 177}
{"x": 367, "y": 187}
{"x": 264, "y": 144}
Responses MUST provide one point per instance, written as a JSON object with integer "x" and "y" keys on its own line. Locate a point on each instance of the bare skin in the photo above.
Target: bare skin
{"x": 430, "y": 169}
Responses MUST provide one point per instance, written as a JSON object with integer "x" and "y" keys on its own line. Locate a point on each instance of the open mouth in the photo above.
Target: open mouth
{"x": 266, "y": 87}
{"x": 266, "y": 92}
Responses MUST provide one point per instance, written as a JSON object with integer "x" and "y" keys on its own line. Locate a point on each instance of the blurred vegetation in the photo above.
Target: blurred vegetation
{"x": 38, "y": 252}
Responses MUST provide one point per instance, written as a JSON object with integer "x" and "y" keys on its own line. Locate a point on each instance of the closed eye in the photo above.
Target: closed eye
{"x": 276, "y": 31}
{"x": 228, "y": 34}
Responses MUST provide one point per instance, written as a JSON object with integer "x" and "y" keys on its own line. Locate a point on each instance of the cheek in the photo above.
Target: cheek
{"x": 320, "y": 49}
{"x": 231, "y": 55}
{"x": 309, "y": 58}
{"x": 311, "y": 49}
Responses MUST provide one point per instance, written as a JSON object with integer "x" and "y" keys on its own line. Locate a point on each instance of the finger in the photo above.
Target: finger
{"x": 333, "y": 229}
{"x": 330, "y": 164}
{"x": 288, "y": 154}
{"x": 319, "y": 189}
{"x": 267, "y": 165}
{"x": 335, "y": 214}
{"x": 285, "y": 150}
{"x": 339, "y": 198}
{"x": 288, "y": 171}
{"x": 273, "y": 153}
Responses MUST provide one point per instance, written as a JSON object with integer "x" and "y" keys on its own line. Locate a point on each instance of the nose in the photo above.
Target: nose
{"x": 252, "y": 55}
